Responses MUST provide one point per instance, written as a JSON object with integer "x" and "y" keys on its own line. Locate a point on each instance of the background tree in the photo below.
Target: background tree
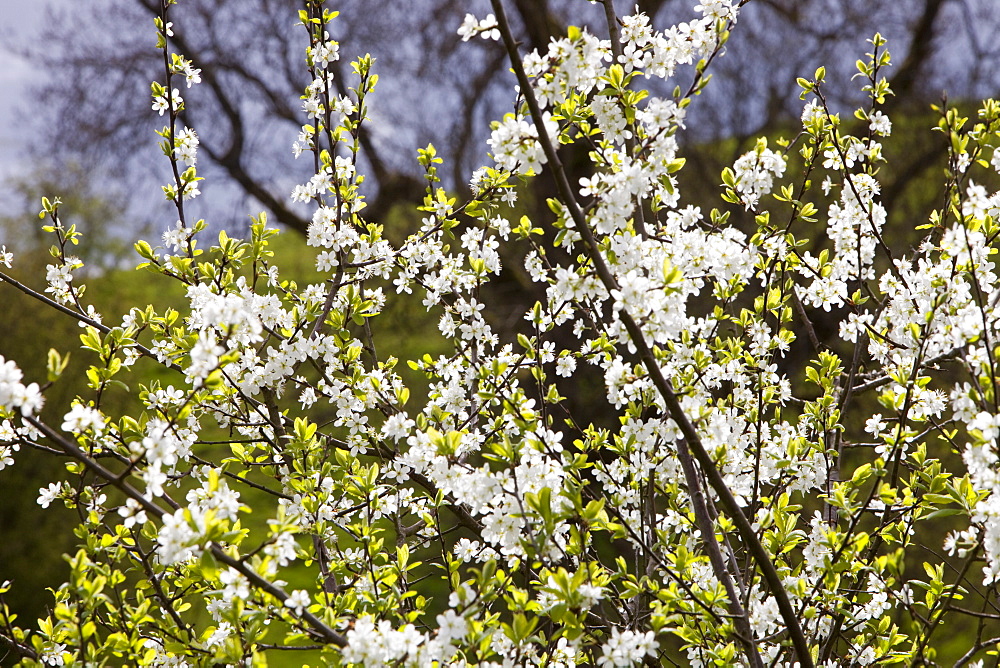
{"x": 92, "y": 109}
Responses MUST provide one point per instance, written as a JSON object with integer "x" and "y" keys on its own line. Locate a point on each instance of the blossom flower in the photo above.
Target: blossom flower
{"x": 488, "y": 28}
{"x": 755, "y": 172}
{"x": 282, "y": 548}
{"x": 46, "y": 495}
{"x": 591, "y": 593}
{"x": 325, "y": 53}
{"x": 627, "y": 648}
{"x": 81, "y": 418}
{"x": 15, "y": 394}
{"x": 397, "y": 427}
{"x": 171, "y": 102}
{"x": 7, "y": 454}
{"x": 880, "y": 124}
{"x": 515, "y": 147}
{"x": 565, "y": 366}
{"x": 186, "y": 146}
{"x": 132, "y": 513}
{"x": 995, "y": 159}
{"x": 452, "y": 626}
{"x": 235, "y": 585}
{"x": 59, "y": 278}
{"x": 55, "y": 655}
{"x": 466, "y": 550}
{"x": 177, "y": 539}
{"x": 468, "y": 28}
{"x": 218, "y": 638}
{"x": 374, "y": 644}
{"x": 813, "y": 114}
{"x": 717, "y": 9}
{"x": 192, "y": 75}
{"x": 298, "y": 600}
{"x": 979, "y": 203}
{"x": 875, "y": 425}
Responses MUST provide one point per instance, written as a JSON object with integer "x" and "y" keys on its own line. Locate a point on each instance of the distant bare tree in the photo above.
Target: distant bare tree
{"x": 94, "y": 106}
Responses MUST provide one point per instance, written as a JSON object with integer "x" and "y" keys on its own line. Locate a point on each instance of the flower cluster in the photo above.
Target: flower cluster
{"x": 755, "y": 173}
{"x": 16, "y": 395}
{"x": 486, "y": 29}
{"x": 164, "y": 102}
{"x": 515, "y": 146}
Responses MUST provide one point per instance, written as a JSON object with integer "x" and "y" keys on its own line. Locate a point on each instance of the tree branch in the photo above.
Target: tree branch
{"x": 746, "y": 530}
{"x": 218, "y": 551}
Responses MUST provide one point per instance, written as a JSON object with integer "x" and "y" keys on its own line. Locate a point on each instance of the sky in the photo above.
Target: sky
{"x": 18, "y": 19}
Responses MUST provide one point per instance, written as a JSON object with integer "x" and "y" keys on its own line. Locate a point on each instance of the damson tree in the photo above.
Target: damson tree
{"x": 286, "y": 497}
{"x": 98, "y": 64}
